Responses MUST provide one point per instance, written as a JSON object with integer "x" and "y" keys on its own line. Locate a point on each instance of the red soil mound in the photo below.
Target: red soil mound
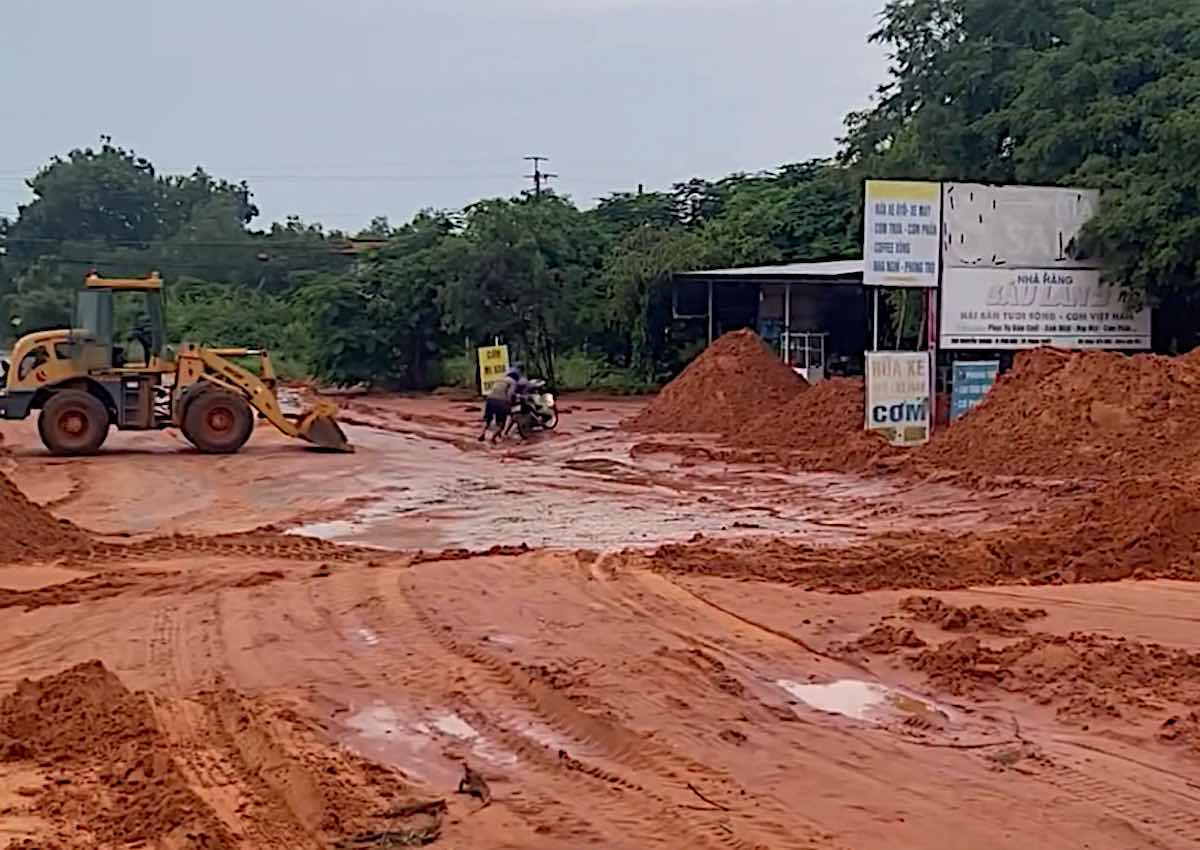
{"x": 1084, "y": 675}
{"x": 1139, "y": 528}
{"x": 820, "y": 418}
{"x": 30, "y": 532}
{"x": 819, "y": 429}
{"x": 976, "y": 618}
{"x": 1083, "y": 415}
{"x": 118, "y": 774}
{"x": 736, "y": 378}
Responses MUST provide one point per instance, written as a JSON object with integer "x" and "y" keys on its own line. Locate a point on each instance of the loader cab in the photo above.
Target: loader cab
{"x": 119, "y": 324}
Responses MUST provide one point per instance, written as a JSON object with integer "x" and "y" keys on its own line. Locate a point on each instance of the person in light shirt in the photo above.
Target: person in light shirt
{"x": 498, "y": 404}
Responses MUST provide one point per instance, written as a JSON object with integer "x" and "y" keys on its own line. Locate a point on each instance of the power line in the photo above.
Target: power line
{"x": 406, "y": 178}
{"x": 253, "y": 242}
{"x": 538, "y": 176}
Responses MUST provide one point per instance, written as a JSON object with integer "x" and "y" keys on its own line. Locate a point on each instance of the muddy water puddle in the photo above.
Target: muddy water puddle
{"x": 427, "y": 494}
{"x": 419, "y": 743}
{"x": 870, "y": 702}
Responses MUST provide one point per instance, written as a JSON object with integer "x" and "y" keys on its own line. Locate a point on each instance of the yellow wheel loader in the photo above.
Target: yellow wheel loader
{"x": 85, "y": 380}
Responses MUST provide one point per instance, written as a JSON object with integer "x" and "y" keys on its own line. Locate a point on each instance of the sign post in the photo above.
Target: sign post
{"x": 900, "y": 395}
{"x": 902, "y": 249}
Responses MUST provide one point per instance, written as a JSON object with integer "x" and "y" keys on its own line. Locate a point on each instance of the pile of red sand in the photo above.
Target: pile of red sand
{"x": 734, "y": 380}
{"x": 118, "y": 781}
{"x": 1056, "y": 415}
{"x": 30, "y": 532}
{"x": 1084, "y": 675}
{"x": 1080, "y": 415}
{"x": 976, "y": 618}
{"x": 1139, "y": 528}
{"x": 819, "y": 429}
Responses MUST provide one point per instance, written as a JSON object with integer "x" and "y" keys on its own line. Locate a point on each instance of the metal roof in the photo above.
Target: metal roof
{"x": 845, "y": 271}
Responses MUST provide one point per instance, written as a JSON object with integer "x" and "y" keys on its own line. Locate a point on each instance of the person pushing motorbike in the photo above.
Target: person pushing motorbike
{"x": 498, "y": 405}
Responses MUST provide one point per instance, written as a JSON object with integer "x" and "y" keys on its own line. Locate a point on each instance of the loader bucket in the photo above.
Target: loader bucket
{"x": 320, "y": 428}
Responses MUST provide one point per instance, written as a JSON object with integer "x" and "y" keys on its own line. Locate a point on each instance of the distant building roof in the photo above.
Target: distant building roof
{"x": 842, "y": 271}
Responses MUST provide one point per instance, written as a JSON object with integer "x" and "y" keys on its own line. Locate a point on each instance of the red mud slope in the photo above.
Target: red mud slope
{"x": 120, "y": 779}
{"x": 819, "y": 429}
{"x": 1131, "y": 529}
{"x": 30, "y": 532}
{"x": 1083, "y": 415}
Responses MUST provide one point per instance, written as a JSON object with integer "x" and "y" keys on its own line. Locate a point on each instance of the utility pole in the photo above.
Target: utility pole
{"x": 538, "y": 176}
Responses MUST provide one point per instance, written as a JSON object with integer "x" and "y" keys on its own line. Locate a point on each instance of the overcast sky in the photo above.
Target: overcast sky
{"x": 339, "y": 111}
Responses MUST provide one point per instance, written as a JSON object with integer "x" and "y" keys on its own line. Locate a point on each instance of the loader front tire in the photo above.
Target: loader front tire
{"x": 218, "y": 422}
{"x": 73, "y": 422}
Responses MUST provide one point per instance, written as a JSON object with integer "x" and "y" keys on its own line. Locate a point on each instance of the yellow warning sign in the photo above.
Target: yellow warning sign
{"x": 493, "y": 364}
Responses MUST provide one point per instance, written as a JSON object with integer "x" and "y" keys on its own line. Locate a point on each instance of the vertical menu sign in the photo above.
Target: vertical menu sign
{"x": 899, "y": 395}
{"x": 493, "y": 364}
{"x": 902, "y": 242}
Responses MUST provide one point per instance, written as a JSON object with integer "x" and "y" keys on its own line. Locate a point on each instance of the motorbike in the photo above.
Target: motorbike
{"x": 535, "y": 409}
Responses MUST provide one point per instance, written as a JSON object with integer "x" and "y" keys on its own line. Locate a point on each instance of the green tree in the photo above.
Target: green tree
{"x": 382, "y": 324}
{"x": 520, "y": 271}
{"x": 636, "y": 286}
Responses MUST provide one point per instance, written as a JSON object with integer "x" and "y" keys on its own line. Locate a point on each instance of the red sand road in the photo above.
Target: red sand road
{"x": 282, "y": 692}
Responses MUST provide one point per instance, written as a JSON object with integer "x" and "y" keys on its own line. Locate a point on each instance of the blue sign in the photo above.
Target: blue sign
{"x": 971, "y": 383}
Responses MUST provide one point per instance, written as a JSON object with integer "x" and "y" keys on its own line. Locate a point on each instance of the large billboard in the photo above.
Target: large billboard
{"x": 899, "y": 396}
{"x": 1032, "y": 227}
{"x": 1014, "y": 275}
{"x": 902, "y": 243}
{"x": 990, "y": 308}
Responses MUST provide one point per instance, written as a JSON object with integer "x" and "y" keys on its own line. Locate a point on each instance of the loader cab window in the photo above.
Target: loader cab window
{"x": 156, "y": 316}
{"x": 138, "y": 329}
{"x": 34, "y": 359}
{"x": 93, "y": 316}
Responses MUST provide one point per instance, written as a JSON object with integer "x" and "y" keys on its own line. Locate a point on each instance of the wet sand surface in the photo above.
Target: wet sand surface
{"x": 297, "y": 689}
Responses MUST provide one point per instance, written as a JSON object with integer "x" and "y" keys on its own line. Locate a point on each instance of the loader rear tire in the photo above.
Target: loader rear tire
{"x": 218, "y": 422}
{"x": 73, "y": 422}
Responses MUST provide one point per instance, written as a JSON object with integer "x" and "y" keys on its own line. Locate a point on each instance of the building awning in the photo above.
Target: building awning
{"x": 837, "y": 271}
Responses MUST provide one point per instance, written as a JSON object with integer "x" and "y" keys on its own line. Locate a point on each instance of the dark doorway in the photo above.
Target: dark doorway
{"x": 735, "y": 306}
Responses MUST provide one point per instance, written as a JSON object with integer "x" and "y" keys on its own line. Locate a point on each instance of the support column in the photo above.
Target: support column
{"x": 710, "y": 311}
{"x": 787, "y": 323}
{"x": 875, "y": 322}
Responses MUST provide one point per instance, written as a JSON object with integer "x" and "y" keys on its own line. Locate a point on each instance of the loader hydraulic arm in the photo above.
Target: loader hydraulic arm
{"x": 245, "y": 383}
{"x": 316, "y": 425}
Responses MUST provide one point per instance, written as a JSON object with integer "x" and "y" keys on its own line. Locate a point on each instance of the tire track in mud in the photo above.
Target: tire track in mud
{"x": 606, "y": 808}
{"x": 183, "y": 717}
{"x": 209, "y": 744}
{"x": 1167, "y": 824}
{"x": 382, "y": 675}
{"x": 1175, "y": 825}
{"x": 265, "y": 789}
{"x": 75, "y": 490}
{"x": 619, "y": 757}
{"x": 599, "y": 804}
{"x": 672, "y": 604}
{"x": 202, "y": 746}
{"x": 159, "y": 645}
